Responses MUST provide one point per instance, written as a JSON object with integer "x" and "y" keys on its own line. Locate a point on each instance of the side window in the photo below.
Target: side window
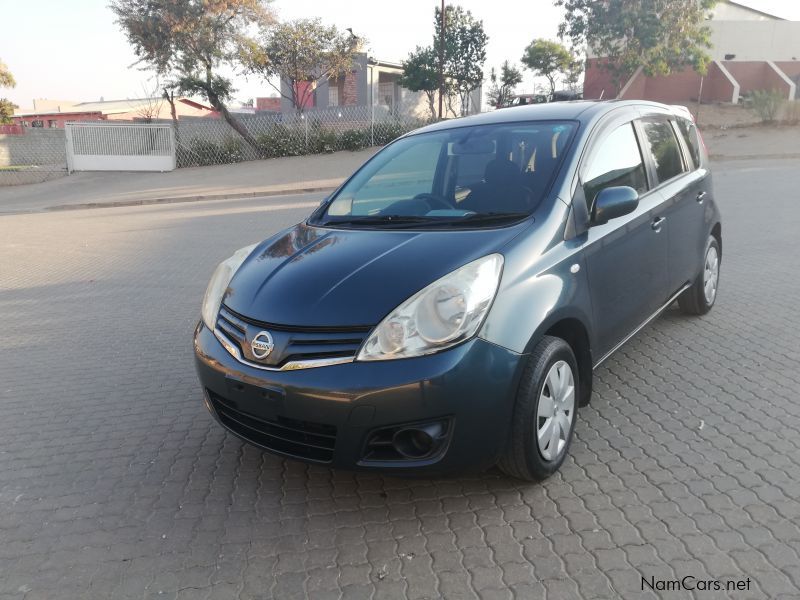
{"x": 692, "y": 139}
{"x": 664, "y": 149}
{"x": 616, "y": 161}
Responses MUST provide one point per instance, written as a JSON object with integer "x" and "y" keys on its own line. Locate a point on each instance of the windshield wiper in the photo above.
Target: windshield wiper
{"x": 491, "y": 217}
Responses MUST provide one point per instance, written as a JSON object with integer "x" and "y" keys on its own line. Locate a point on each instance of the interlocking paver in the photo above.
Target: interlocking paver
{"x": 115, "y": 483}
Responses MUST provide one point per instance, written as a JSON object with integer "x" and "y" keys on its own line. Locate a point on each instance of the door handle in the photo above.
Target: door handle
{"x": 657, "y": 223}
{"x": 700, "y": 197}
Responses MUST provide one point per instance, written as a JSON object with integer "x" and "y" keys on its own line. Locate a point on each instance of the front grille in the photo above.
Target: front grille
{"x": 300, "y": 439}
{"x": 292, "y": 343}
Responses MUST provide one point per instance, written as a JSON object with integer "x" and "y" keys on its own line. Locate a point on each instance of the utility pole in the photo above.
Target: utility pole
{"x": 441, "y": 60}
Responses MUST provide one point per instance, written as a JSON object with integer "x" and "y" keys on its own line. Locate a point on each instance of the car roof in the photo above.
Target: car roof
{"x": 573, "y": 110}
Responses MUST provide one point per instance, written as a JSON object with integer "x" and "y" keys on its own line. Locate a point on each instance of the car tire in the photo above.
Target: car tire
{"x": 700, "y": 297}
{"x": 551, "y": 364}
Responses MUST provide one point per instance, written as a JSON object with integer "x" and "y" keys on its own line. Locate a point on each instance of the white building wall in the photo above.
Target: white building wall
{"x": 725, "y": 11}
{"x": 755, "y": 40}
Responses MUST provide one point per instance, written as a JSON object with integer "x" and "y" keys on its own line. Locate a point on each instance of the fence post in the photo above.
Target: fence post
{"x": 68, "y": 143}
{"x": 173, "y": 146}
{"x": 306, "y": 128}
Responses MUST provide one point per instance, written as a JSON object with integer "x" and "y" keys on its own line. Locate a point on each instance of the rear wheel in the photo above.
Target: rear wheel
{"x": 544, "y": 412}
{"x": 700, "y": 297}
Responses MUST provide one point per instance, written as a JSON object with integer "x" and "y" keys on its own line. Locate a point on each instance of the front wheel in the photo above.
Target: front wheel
{"x": 544, "y": 412}
{"x": 700, "y": 297}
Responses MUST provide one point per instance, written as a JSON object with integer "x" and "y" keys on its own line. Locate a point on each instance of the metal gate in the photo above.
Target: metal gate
{"x": 120, "y": 147}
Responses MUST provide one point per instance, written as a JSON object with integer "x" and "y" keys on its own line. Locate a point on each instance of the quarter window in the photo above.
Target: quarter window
{"x": 664, "y": 149}
{"x": 690, "y": 135}
{"x": 617, "y": 161}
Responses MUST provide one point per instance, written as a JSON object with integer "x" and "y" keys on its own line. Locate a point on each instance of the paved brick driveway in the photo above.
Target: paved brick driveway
{"x": 115, "y": 483}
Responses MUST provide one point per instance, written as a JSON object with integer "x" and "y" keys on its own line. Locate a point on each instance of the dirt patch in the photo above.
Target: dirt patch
{"x": 729, "y": 116}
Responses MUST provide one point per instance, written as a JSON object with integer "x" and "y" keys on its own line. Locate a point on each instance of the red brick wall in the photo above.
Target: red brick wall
{"x": 301, "y": 88}
{"x": 598, "y": 81}
{"x": 11, "y": 130}
{"x": 349, "y": 90}
{"x": 791, "y": 68}
{"x": 61, "y": 118}
{"x": 717, "y": 87}
{"x": 755, "y": 75}
{"x": 273, "y": 104}
{"x": 680, "y": 86}
{"x": 637, "y": 88}
{"x": 683, "y": 86}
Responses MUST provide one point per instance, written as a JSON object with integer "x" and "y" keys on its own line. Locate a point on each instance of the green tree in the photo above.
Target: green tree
{"x": 420, "y": 74}
{"x": 502, "y": 88}
{"x": 658, "y": 35}
{"x": 6, "y": 106}
{"x": 573, "y": 73}
{"x": 6, "y": 78}
{"x": 304, "y": 50}
{"x": 6, "y": 111}
{"x": 464, "y": 53}
{"x": 548, "y": 59}
{"x": 189, "y": 40}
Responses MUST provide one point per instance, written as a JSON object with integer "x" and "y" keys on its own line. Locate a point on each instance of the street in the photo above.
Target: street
{"x": 116, "y": 483}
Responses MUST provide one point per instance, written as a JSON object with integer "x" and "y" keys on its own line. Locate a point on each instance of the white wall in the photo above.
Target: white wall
{"x": 724, "y": 11}
{"x": 755, "y": 40}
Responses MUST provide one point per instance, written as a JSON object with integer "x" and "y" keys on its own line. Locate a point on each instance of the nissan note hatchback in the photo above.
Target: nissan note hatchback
{"x": 444, "y": 309}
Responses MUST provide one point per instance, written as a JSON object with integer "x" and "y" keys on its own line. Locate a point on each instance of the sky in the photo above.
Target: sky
{"x": 73, "y": 50}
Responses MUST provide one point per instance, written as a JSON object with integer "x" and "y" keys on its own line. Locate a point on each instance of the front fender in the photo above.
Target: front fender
{"x": 536, "y": 294}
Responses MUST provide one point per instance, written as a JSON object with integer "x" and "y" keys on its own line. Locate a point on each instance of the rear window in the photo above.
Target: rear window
{"x": 660, "y": 137}
{"x": 692, "y": 139}
{"x": 494, "y": 169}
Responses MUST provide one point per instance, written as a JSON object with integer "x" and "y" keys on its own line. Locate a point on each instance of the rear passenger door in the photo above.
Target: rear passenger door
{"x": 676, "y": 173}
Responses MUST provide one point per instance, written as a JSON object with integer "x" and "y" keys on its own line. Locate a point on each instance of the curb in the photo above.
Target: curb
{"x": 180, "y": 199}
{"x": 725, "y": 157}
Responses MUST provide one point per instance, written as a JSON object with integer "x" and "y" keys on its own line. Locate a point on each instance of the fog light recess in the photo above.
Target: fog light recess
{"x": 408, "y": 442}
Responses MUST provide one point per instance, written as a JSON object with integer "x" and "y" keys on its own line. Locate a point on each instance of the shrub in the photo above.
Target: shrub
{"x": 282, "y": 141}
{"x": 322, "y": 141}
{"x": 389, "y": 131}
{"x": 765, "y": 103}
{"x": 355, "y": 139}
{"x": 201, "y": 153}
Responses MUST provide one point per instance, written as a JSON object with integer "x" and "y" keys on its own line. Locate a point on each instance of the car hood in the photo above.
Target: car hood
{"x": 313, "y": 276}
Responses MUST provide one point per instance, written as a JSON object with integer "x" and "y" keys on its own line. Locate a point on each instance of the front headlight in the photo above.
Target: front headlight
{"x": 219, "y": 283}
{"x": 445, "y": 313}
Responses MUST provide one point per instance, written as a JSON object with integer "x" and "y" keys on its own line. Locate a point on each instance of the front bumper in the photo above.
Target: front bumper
{"x": 473, "y": 385}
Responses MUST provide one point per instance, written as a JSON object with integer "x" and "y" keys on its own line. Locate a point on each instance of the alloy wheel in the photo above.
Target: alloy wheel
{"x": 556, "y": 410}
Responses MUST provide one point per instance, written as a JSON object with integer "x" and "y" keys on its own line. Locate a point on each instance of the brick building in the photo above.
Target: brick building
{"x": 370, "y": 82}
{"x": 49, "y": 114}
{"x": 751, "y": 50}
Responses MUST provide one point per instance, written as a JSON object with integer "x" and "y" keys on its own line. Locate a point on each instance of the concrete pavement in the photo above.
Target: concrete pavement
{"x": 115, "y": 482}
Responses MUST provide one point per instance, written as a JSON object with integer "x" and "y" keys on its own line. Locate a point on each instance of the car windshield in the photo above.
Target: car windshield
{"x": 483, "y": 174}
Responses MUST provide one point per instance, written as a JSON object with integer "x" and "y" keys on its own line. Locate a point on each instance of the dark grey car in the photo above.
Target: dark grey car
{"x": 445, "y": 308}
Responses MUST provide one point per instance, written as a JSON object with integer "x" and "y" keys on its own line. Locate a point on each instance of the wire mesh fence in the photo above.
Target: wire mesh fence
{"x": 32, "y": 156}
{"x": 315, "y": 131}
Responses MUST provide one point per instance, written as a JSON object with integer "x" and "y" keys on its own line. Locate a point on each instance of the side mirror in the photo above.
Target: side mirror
{"x": 613, "y": 202}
